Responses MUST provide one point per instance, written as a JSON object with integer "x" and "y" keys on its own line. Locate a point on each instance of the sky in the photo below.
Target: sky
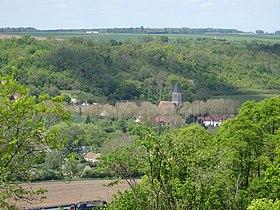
{"x": 245, "y": 15}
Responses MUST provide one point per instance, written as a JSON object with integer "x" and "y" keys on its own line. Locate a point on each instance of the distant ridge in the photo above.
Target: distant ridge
{"x": 134, "y": 30}
{"x": 137, "y": 30}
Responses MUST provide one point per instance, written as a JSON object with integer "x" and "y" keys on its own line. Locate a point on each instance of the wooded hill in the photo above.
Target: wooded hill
{"x": 142, "y": 70}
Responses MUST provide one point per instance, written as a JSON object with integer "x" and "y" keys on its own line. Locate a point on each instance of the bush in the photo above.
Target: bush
{"x": 264, "y": 204}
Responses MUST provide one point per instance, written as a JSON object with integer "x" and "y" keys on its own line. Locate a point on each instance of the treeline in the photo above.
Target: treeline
{"x": 142, "y": 30}
{"x": 146, "y": 112}
{"x": 141, "y": 70}
{"x": 19, "y": 29}
{"x": 137, "y": 30}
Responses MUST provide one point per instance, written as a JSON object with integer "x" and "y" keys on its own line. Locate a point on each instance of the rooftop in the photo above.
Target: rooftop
{"x": 166, "y": 105}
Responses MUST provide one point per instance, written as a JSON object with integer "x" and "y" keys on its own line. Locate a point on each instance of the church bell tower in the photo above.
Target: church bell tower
{"x": 177, "y": 95}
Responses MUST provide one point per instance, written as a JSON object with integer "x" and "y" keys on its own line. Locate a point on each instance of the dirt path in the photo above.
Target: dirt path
{"x": 74, "y": 192}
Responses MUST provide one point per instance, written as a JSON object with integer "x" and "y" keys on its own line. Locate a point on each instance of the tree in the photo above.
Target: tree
{"x": 188, "y": 168}
{"x": 264, "y": 204}
{"x": 163, "y": 39}
{"x": 126, "y": 110}
{"x": 88, "y": 120}
{"x": 23, "y": 130}
{"x": 77, "y": 137}
{"x": 259, "y": 32}
{"x": 180, "y": 166}
{"x": 248, "y": 140}
{"x": 268, "y": 185}
{"x": 148, "y": 112}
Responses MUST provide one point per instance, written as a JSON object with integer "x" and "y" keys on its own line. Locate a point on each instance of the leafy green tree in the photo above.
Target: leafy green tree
{"x": 76, "y": 137}
{"x": 248, "y": 140}
{"x": 268, "y": 185}
{"x": 188, "y": 168}
{"x": 264, "y": 204}
{"x": 88, "y": 120}
{"x": 23, "y": 130}
{"x": 181, "y": 170}
{"x": 259, "y": 32}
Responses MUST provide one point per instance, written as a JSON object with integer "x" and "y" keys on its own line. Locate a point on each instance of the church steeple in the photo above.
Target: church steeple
{"x": 177, "y": 95}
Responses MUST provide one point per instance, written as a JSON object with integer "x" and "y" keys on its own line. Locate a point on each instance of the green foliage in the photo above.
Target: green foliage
{"x": 136, "y": 199}
{"x": 75, "y": 137}
{"x": 268, "y": 185}
{"x": 123, "y": 161}
{"x": 146, "y": 70}
{"x": 249, "y": 142}
{"x": 264, "y": 204}
{"x": 188, "y": 168}
{"x": 185, "y": 168}
{"x": 179, "y": 168}
{"x": 24, "y": 125}
{"x": 72, "y": 167}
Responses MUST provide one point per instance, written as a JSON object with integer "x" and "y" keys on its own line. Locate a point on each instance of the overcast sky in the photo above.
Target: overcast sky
{"x": 246, "y": 15}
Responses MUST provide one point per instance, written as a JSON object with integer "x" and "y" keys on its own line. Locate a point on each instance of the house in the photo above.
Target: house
{"x": 92, "y": 32}
{"x": 165, "y": 105}
{"x": 92, "y": 157}
{"x": 138, "y": 119}
{"x": 15, "y": 96}
{"x": 213, "y": 120}
{"x": 85, "y": 103}
{"x": 74, "y": 101}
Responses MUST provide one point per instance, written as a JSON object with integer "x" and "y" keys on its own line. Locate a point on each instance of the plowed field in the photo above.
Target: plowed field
{"x": 73, "y": 192}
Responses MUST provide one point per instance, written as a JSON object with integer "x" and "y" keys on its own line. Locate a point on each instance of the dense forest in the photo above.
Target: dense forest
{"x": 142, "y": 70}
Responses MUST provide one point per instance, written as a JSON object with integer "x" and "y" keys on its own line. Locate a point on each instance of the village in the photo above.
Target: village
{"x": 174, "y": 112}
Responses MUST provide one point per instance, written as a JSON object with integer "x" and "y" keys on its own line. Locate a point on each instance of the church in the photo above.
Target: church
{"x": 170, "y": 106}
{"x": 176, "y": 101}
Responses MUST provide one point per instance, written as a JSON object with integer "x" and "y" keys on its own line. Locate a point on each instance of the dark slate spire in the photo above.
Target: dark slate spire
{"x": 176, "y": 88}
{"x": 177, "y": 95}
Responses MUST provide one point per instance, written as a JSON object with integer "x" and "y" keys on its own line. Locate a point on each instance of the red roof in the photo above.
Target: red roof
{"x": 166, "y": 105}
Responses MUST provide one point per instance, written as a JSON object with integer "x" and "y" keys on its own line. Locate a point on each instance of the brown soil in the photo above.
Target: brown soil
{"x": 73, "y": 192}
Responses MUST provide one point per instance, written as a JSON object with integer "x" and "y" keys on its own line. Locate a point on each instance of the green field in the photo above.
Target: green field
{"x": 243, "y": 98}
{"x": 126, "y": 36}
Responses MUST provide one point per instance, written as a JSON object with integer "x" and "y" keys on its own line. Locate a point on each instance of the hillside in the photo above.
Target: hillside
{"x": 143, "y": 70}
